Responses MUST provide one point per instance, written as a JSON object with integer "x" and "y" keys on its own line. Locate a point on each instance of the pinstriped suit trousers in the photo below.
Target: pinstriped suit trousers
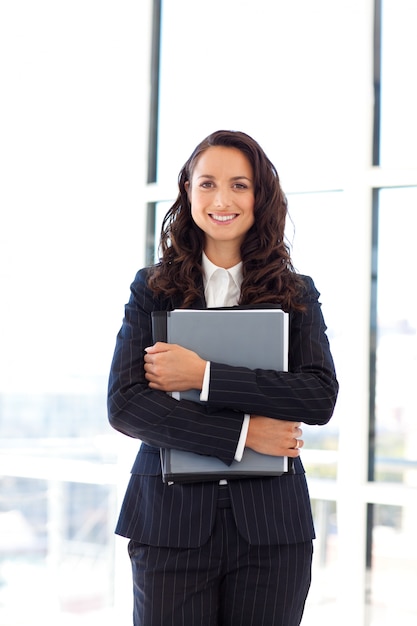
{"x": 226, "y": 582}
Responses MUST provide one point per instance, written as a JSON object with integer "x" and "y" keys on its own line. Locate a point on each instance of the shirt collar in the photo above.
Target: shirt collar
{"x": 209, "y": 268}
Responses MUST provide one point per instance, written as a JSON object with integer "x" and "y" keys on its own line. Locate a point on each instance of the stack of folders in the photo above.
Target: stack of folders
{"x": 238, "y": 336}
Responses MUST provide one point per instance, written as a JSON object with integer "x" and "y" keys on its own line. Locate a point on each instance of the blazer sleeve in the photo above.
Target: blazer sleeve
{"x": 153, "y": 416}
{"x": 306, "y": 393}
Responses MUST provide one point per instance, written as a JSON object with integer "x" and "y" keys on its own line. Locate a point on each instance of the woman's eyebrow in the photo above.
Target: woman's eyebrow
{"x": 232, "y": 178}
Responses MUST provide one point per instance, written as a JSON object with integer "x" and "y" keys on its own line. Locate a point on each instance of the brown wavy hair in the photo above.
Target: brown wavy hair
{"x": 268, "y": 273}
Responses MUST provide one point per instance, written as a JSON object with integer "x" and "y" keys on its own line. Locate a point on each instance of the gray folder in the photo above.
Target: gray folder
{"x": 179, "y": 466}
{"x": 240, "y": 336}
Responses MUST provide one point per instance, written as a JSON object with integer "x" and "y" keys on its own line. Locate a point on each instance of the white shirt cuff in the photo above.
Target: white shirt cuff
{"x": 242, "y": 439}
{"x": 206, "y": 384}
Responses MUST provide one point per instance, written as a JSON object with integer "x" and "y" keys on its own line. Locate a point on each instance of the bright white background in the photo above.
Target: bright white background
{"x": 73, "y": 142}
{"x": 74, "y": 82}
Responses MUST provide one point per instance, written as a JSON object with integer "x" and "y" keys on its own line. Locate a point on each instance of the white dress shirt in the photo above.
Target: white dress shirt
{"x": 222, "y": 288}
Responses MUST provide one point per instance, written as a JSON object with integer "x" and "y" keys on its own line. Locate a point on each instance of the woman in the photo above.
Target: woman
{"x": 207, "y": 553}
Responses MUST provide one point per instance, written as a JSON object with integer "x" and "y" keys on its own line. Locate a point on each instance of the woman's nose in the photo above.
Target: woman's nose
{"x": 222, "y": 198}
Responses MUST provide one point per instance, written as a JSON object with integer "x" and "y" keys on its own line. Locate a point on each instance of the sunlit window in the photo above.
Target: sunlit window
{"x": 398, "y": 90}
{"x": 70, "y": 115}
{"x": 396, "y": 348}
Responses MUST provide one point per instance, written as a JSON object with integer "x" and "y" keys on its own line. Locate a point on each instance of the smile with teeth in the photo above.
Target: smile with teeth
{"x": 223, "y": 218}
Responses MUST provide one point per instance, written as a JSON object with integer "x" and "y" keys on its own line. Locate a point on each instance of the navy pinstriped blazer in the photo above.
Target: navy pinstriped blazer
{"x": 267, "y": 510}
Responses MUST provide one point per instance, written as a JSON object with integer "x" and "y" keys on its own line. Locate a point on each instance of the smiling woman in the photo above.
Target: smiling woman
{"x": 222, "y": 245}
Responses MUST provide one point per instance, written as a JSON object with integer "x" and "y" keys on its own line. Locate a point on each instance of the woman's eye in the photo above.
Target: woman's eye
{"x": 240, "y": 186}
{"x": 207, "y": 184}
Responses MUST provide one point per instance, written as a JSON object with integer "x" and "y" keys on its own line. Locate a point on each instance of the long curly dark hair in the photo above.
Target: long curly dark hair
{"x": 268, "y": 273}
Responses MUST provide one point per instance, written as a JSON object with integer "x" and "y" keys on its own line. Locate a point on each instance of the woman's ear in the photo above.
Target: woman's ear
{"x": 187, "y": 189}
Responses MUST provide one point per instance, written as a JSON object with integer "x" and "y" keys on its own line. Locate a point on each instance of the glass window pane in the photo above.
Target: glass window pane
{"x": 279, "y": 71}
{"x": 321, "y": 606}
{"x": 396, "y": 356}
{"x": 160, "y": 211}
{"x": 70, "y": 166}
{"x": 55, "y": 542}
{"x": 393, "y": 580}
{"x": 398, "y": 84}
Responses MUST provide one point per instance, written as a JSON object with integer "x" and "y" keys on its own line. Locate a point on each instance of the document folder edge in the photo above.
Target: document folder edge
{"x": 237, "y": 470}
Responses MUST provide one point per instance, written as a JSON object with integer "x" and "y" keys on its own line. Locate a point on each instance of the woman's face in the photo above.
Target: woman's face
{"x": 221, "y": 193}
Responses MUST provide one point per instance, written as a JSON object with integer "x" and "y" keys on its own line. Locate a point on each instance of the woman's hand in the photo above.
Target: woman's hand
{"x": 273, "y": 436}
{"x": 169, "y": 367}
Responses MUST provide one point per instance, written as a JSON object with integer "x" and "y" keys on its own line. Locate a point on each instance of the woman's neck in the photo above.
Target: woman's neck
{"x": 223, "y": 256}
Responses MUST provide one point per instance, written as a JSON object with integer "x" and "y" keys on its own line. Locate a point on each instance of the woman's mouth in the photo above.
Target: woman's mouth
{"x": 219, "y": 217}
